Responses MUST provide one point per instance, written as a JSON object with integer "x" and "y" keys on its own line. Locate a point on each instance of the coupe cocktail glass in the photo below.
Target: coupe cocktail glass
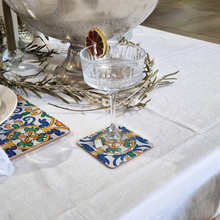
{"x": 121, "y": 68}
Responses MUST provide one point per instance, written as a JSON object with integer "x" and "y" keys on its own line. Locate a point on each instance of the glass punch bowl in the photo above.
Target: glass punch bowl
{"x": 70, "y": 20}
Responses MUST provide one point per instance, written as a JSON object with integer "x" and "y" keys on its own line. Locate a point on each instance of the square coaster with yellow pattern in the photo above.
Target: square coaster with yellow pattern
{"x": 28, "y": 128}
{"x": 116, "y": 153}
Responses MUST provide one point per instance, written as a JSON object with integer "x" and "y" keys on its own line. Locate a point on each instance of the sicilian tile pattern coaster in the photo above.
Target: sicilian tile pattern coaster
{"x": 113, "y": 155}
{"x": 28, "y": 128}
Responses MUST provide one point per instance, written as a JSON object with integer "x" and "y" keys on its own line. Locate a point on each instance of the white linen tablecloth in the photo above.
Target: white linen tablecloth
{"x": 179, "y": 179}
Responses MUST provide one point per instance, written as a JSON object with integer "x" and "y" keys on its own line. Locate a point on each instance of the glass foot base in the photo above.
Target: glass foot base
{"x": 13, "y": 58}
{"x": 115, "y": 152}
{"x": 105, "y": 144}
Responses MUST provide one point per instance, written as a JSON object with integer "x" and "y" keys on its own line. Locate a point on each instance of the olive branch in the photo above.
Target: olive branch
{"x": 136, "y": 97}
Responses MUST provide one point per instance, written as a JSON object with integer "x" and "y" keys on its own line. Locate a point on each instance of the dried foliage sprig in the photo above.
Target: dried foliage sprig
{"x": 42, "y": 52}
{"x": 136, "y": 97}
{"x": 130, "y": 98}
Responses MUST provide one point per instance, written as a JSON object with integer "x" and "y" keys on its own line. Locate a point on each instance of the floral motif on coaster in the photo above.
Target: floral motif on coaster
{"x": 114, "y": 155}
{"x": 28, "y": 128}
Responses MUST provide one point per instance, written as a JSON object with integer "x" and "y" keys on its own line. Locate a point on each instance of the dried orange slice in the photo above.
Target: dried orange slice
{"x": 96, "y": 37}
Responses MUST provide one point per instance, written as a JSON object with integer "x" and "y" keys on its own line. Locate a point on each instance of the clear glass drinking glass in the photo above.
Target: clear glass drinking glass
{"x": 121, "y": 68}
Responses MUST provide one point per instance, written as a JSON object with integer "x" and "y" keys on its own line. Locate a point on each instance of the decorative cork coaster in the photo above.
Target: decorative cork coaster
{"x": 28, "y": 128}
{"x": 113, "y": 155}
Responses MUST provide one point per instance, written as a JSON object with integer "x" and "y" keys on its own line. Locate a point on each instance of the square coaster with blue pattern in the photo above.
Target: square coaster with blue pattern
{"x": 116, "y": 153}
{"x": 28, "y": 128}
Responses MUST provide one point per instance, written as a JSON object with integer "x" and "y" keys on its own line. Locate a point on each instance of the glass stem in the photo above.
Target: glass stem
{"x": 113, "y": 130}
